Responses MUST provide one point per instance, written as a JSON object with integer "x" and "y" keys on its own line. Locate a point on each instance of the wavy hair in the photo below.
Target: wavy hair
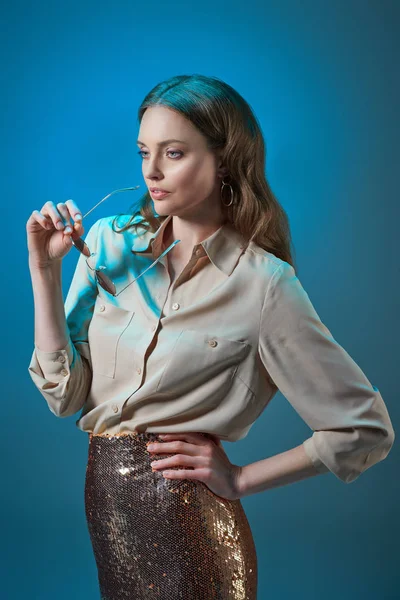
{"x": 227, "y": 121}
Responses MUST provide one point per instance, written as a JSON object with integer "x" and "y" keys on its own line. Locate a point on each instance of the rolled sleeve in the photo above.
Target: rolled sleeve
{"x": 56, "y": 365}
{"x": 352, "y": 427}
{"x": 64, "y": 376}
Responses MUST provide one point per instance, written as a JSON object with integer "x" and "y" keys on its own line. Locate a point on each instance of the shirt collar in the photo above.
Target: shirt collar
{"x": 223, "y": 247}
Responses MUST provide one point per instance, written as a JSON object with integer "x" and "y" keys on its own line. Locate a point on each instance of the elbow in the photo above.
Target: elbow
{"x": 68, "y": 409}
{"x": 65, "y": 406}
{"x": 74, "y": 398}
{"x": 64, "y": 393}
{"x": 347, "y": 453}
{"x": 382, "y": 448}
{"x": 63, "y": 400}
{"x": 385, "y": 440}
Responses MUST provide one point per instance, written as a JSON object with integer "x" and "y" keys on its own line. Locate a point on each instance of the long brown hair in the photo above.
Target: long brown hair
{"x": 227, "y": 121}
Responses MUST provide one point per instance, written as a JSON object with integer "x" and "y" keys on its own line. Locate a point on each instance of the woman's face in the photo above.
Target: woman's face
{"x": 188, "y": 170}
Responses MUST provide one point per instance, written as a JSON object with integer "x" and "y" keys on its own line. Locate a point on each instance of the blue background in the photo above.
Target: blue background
{"x": 322, "y": 78}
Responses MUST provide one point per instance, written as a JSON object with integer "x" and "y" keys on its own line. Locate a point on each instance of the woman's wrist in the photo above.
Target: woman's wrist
{"x": 274, "y": 471}
{"x": 39, "y": 265}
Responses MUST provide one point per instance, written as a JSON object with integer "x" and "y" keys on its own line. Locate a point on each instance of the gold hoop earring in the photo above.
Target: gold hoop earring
{"x": 231, "y": 190}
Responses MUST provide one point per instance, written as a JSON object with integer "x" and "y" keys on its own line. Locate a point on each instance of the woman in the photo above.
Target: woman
{"x": 182, "y": 321}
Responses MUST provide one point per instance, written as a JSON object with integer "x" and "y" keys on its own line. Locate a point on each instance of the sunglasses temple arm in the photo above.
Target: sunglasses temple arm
{"x": 79, "y": 243}
{"x": 152, "y": 265}
{"x": 108, "y": 195}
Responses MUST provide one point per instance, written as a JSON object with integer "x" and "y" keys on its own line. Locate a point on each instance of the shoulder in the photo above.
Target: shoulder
{"x": 109, "y": 227}
{"x": 118, "y": 221}
{"x": 268, "y": 264}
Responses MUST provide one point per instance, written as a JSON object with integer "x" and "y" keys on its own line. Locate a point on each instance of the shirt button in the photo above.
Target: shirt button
{"x": 64, "y": 372}
{"x": 115, "y": 408}
{"x": 154, "y": 327}
{"x": 61, "y": 359}
{"x": 175, "y": 306}
{"x": 139, "y": 370}
{"x": 213, "y": 343}
{"x": 102, "y": 308}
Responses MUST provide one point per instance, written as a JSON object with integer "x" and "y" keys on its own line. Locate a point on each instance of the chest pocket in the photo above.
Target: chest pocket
{"x": 199, "y": 358}
{"x": 106, "y": 327}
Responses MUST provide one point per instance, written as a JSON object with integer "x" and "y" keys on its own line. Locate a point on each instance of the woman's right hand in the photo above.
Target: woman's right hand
{"x": 49, "y": 232}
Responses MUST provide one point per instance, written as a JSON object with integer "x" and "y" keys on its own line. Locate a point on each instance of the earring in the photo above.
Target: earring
{"x": 231, "y": 190}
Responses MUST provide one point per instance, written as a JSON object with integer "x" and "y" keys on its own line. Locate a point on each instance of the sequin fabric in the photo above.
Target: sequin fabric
{"x": 154, "y": 537}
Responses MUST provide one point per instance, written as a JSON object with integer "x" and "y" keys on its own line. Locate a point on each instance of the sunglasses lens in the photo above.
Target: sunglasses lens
{"x": 105, "y": 282}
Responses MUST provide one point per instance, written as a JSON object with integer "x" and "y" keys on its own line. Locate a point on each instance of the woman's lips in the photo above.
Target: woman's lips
{"x": 159, "y": 195}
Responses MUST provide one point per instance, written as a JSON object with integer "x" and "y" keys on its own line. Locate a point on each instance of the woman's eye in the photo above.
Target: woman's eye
{"x": 141, "y": 152}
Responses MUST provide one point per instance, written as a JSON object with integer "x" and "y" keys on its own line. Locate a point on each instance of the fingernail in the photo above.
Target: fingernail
{"x": 78, "y": 217}
{"x": 60, "y": 225}
{"x": 67, "y": 229}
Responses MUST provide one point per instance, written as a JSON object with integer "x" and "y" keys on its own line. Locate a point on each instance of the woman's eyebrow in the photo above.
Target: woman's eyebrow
{"x": 164, "y": 143}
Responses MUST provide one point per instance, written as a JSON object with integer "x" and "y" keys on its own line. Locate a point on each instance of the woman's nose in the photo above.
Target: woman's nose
{"x": 152, "y": 169}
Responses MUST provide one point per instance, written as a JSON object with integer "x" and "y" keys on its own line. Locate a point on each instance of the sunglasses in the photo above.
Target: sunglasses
{"x": 100, "y": 271}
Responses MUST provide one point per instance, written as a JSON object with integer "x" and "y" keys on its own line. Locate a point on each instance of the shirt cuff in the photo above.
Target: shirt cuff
{"x": 56, "y": 364}
{"x": 311, "y": 451}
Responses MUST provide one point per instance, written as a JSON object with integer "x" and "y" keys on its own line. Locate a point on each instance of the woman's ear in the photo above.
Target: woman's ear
{"x": 222, "y": 171}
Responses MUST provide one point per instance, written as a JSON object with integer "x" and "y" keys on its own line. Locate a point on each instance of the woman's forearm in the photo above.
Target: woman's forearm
{"x": 51, "y": 330}
{"x": 275, "y": 471}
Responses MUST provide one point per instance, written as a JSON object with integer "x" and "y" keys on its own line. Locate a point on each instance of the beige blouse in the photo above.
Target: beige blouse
{"x": 209, "y": 352}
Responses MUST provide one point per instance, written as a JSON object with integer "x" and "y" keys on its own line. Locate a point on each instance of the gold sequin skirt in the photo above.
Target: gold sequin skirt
{"x": 154, "y": 537}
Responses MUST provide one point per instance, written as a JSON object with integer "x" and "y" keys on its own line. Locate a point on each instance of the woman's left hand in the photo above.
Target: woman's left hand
{"x": 204, "y": 454}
